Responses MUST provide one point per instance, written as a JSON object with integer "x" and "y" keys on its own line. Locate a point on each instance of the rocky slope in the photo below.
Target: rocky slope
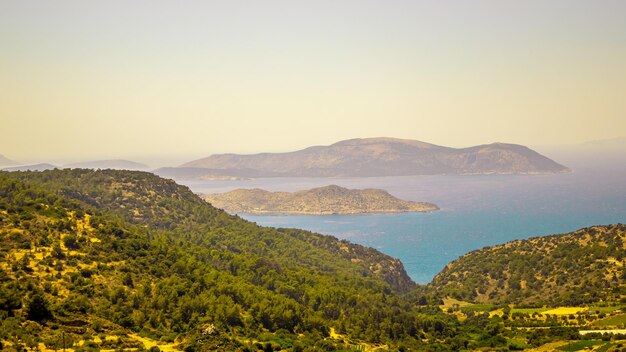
{"x": 381, "y": 157}
{"x": 323, "y": 200}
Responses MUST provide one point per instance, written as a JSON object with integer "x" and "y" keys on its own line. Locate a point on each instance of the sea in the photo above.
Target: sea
{"x": 476, "y": 211}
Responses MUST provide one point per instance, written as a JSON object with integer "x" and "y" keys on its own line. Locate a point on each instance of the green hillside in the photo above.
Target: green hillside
{"x": 108, "y": 258}
{"x": 577, "y": 268}
{"x": 123, "y": 260}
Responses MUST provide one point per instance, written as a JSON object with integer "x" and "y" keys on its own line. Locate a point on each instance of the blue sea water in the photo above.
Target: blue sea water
{"x": 476, "y": 211}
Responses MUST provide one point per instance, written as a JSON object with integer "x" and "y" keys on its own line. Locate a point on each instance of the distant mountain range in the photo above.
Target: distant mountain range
{"x": 322, "y": 200}
{"x": 117, "y": 164}
{"x": 33, "y": 167}
{"x": 373, "y": 157}
{"x": 4, "y": 161}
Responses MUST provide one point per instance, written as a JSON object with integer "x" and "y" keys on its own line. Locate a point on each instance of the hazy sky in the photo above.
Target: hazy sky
{"x": 132, "y": 79}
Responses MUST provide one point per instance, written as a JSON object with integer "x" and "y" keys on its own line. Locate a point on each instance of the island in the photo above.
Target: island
{"x": 325, "y": 200}
{"x": 372, "y": 157}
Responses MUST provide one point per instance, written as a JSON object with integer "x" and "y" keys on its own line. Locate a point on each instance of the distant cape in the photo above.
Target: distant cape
{"x": 374, "y": 157}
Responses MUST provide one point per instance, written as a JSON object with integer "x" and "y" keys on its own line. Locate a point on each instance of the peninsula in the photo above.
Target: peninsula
{"x": 317, "y": 201}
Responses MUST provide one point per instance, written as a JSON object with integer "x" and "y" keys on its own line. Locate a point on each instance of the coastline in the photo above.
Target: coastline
{"x": 287, "y": 213}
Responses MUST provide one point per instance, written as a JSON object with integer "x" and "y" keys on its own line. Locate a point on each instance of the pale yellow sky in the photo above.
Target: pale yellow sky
{"x": 84, "y": 80}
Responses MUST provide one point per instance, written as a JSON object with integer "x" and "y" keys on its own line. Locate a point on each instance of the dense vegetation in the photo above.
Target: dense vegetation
{"x": 573, "y": 269}
{"x": 89, "y": 252}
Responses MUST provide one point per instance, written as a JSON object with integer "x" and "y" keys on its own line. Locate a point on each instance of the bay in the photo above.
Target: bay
{"x": 476, "y": 211}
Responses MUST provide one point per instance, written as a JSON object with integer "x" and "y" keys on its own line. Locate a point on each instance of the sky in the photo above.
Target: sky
{"x": 142, "y": 80}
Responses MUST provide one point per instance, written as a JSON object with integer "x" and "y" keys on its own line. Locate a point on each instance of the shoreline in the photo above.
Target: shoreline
{"x": 287, "y": 213}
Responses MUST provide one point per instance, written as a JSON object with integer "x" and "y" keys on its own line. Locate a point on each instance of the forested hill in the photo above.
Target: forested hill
{"x": 90, "y": 252}
{"x": 581, "y": 267}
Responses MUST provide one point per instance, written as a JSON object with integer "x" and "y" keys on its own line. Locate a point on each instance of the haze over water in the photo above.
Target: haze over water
{"x": 476, "y": 211}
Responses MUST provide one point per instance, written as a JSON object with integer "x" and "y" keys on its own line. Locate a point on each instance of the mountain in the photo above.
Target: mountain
{"x": 323, "y": 200}
{"x": 34, "y": 167}
{"x": 572, "y": 269}
{"x": 130, "y": 257}
{"x": 4, "y": 161}
{"x": 383, "y": 157}
{"x": 116, "y": 164}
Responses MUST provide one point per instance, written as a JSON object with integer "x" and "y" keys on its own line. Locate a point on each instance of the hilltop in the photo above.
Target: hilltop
{"x": 581, "y": 267}
{"x": 379, "y": 157}
{"x": 322, "y": 200}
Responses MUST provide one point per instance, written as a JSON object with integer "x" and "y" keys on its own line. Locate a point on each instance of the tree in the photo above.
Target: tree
{"x": 10, "y": 298}
{"x": 127, "y": 280}
{"x": 57, "y": 251}
{"x": 71, "y": 241}
{"x": 37, "y": 309}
